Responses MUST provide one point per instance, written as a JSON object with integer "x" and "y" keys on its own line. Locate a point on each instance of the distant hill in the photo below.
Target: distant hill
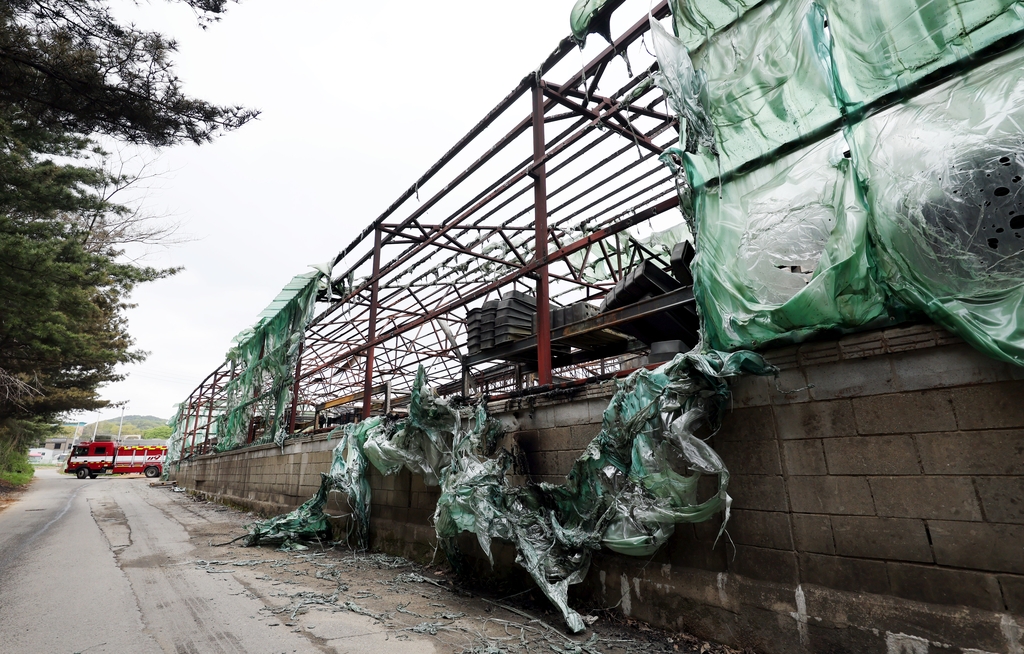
{"x": 132, "y": 425}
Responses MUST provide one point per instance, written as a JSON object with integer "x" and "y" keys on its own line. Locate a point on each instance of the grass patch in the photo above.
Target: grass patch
{"x": 15, "y": 470}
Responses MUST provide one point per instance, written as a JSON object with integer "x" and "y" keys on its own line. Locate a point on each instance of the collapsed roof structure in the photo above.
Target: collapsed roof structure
{"x": 837, "y": 168}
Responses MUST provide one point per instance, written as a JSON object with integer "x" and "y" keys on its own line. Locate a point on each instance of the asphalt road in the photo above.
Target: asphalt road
{"x": 115, "y": 565}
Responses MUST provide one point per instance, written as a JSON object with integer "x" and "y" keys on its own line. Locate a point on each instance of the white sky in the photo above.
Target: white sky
{"x": 358, "y": 99}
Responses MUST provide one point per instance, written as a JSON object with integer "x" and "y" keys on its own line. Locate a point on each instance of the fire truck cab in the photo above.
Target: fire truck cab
{"x": 107, "y": 457}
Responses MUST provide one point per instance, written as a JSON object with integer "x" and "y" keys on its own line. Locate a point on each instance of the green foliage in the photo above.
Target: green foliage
{"x": 163, "y": 431}
{"x": 132, "y": 425}
{"x": 69, "y": 65}
{"x": 15, "y": 470}
{"x": 68, "y": 71}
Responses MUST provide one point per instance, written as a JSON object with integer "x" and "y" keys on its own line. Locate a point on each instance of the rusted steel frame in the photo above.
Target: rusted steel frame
{"x": 563, "y": 116}
{"x": 635, "y": 32}
{"x": 626, "y": 222}
{"x": 613, "y": 270}
{"x": 626, "y": 200}
{"x": 576, "y": 277}
{"x": 607, "y": 160}
{"x": 604, "y": 119}
{"x": 604, "y": 181}
{"x": 639, "y": 179}
{"x": 494, "y": 194}
{"x": 595, "y": 83}
{"x": 368, "y": 385}
{"x": 474, "y": 226}
{"x": 540, "y": 250}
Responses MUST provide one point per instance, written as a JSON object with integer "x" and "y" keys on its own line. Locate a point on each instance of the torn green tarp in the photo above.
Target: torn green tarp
{"x": 635, "y": 481}
{"x": 783, "y": 252}
{"x": 882, "y": 46}
{"x": 349, "y": 475}
{"x": 307, "y": 523}
{"x": 943, "y": 175}
{"x": 582, "y": 20}
{"x": 623, "y": 493}
{"x": 263, "y": 367}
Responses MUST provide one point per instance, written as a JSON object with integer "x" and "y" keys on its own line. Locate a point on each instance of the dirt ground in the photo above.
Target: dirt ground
{"x": 404, "y": 598}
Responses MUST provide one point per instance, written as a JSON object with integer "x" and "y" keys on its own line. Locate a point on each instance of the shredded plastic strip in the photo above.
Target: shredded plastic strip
{"x": 635, "y": 481}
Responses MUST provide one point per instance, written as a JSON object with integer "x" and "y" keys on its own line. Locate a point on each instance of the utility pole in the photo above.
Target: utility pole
{"x": 120, "y": 424}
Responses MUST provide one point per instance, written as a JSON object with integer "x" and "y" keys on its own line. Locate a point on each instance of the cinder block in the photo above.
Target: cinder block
{"x": 751, "y": 458}
{"x": 872, "y": 455}
{"x": 790, "y": 387}
{"x": 938, "y": 498}
{"x": 555, "y": 438}
{"x": 813, "y": 533}
{"x": 851, "y": 378}
{"x": 686, "y": 551}
{"x": 945, "y": 586}
{"x": 944, "y": 367}
{"x": 750, "y": 390}
{"x": 905, "y": 413}
{"x": 1013, "y": 593}
{"x": 1002, "y": 498}
{"x": 978, "y": 545}
{"x": 815, "y": 420}
{"x": 881, "y": 538}
{"x": 751, "y": 424}
{"x": 990, "y": 406}
{"x": 581, "y": 435}
{"x": 779, "y": 566}
{"x": 841, "y": 573}
{"x": 831, "y": 494}
{"x": 761, "y": 528}
{"x": 972, "y": 453}
{"x": 804, "y": 457}
{"x": 758, "y": 492}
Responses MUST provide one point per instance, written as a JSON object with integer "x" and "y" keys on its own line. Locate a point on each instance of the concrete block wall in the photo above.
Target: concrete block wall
{"x": 878, "y": 490}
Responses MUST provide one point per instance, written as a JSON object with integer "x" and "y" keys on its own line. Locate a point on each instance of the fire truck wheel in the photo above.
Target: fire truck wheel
{"x": 82, "y": 473}
{"x": 152, "y": 472}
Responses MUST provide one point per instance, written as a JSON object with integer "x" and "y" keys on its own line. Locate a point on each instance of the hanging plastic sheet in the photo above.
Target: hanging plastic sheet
{"x": 263, "y": 366}
{"x": 943, "y": 175}
{"x": 768, "y": 81}
{"x": 622, "y": 493}
{"x": 882, "y": 46}
{"x": 695, "y": 22}
{"x": 348, "y": 475}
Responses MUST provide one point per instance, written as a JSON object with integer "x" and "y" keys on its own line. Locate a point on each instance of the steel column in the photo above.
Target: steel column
{"x": 295, "y": 390}
{"x": 540, "y": 212}
{"x": 372, "y": 329}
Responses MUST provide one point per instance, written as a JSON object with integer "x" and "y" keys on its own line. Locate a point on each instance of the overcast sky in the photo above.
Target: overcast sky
{"x": 357, "y": 100}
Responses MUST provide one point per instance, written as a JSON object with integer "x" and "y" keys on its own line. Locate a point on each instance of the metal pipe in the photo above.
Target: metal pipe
{"x": 372, "y": 329}
{"x": 540, "y": 213}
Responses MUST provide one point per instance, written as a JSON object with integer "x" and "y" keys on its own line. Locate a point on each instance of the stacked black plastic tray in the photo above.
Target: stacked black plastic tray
{"x": 513, "y": 320}
{"x": 487, "y": 312}
{"x": 647, "y": 280}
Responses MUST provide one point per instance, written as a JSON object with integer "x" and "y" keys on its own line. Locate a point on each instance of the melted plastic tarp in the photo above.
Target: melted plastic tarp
{"x": 822, "y": 213}
{"x": 635, "y": 481}
{"x": 943, "y": 175}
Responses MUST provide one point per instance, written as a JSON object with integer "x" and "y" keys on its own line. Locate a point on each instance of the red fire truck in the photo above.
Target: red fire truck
{"x": 107, "y": 457}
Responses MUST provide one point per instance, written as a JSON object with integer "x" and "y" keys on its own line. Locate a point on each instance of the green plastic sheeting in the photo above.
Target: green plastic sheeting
{"x": 635, "y": 481}
{"x": 305, "y": 524}
{"x": 263, "y": 366}
{"x": 820, "y": 212}
{"x": 882, "y": 46}
{"x": 582, "y": 23}
{"x": 942, "y": 174}
{"x": 796, "y": 239}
